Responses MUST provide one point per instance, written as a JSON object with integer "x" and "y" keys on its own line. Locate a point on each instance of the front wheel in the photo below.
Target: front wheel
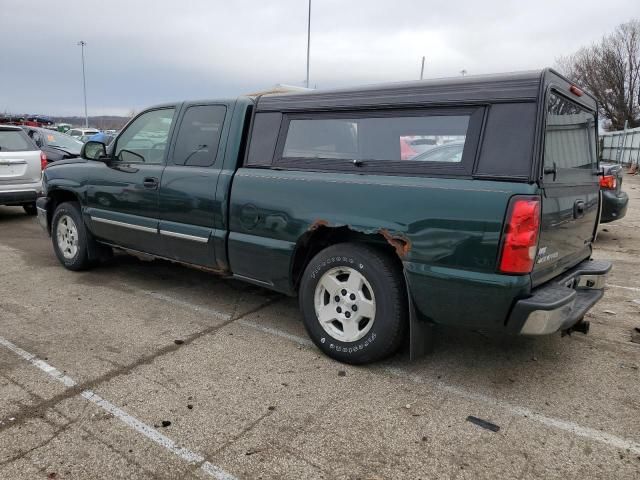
{"x": 353, "y": 302}
{"x": 70, "y": 236}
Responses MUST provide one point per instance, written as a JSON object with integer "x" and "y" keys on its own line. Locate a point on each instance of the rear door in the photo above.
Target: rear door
{"x": 571, "y": 193}
{"x": 19, "y": 158}
{"x": 187, "y": 201}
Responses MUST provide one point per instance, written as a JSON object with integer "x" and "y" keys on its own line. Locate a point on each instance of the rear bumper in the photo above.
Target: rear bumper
{"x": 18, "y": 197}
{"x": 562, "y": 302}
{"x": 614, "y": 205}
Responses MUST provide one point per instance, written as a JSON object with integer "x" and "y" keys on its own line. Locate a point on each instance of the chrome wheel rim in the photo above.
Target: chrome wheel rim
{"x": 67, "y": 236}
{"x": 345, "y": 304}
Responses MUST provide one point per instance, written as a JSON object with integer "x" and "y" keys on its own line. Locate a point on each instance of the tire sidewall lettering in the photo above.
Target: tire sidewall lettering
{"x": 326, "y": 264}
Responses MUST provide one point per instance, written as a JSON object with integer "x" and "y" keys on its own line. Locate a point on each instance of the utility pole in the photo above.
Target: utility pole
{"x": 83, "y": 44}
{"x": 422, "y": 69}
{"x": 308, "y": 42}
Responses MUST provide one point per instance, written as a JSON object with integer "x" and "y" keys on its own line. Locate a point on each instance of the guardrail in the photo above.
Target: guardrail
{"x": 622, "y": 146}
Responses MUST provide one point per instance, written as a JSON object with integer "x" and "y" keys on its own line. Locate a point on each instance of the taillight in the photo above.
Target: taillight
{"x": 43, "y": 160}
{"x": 608, "y": 182}
{"x": 520, "y": 235}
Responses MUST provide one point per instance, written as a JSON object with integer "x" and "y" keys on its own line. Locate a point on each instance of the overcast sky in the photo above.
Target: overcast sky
{"x": 142, "y": 52}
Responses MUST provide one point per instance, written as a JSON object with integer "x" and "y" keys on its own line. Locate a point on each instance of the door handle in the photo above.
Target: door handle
{"x": 554, "y": 170}
{"x": 150, "y": 182}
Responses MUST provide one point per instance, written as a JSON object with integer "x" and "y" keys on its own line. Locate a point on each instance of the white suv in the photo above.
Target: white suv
{"x": 82, "y": 132}
{"x": 21, "y": 165}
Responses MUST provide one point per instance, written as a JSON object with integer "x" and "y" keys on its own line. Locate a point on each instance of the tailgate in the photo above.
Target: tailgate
{"x": 20, "y": 167}
{"x": 571, "y": 190}
{"x": 19, "y": 157}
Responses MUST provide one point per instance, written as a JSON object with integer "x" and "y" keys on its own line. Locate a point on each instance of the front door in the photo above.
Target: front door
{"x": 188, "y": 186}
{"x": 122, "y": 194}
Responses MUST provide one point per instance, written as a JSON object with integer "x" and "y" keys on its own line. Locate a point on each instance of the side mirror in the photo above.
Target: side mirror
{"x": 94, "y": 151}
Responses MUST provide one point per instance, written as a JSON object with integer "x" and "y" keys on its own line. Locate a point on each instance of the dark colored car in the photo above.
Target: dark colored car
{"x": 55, "y": 145}
{"x": 614, "y": 200}
{"x": 316, "y": 195}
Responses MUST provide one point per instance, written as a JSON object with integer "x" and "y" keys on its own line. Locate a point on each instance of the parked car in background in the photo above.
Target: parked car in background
{"x": 422, "y": 144}
{"x": 39, "y": 121}
{"x": 614, "y": 200}
{"x": 313, "y": 194}
{"x": 102, "y": 137}
{"x": 449, "y": 152}
{"x": 56, "y": 145}
{"x": 21, "y": 165}
{"x": 79, "y": 132}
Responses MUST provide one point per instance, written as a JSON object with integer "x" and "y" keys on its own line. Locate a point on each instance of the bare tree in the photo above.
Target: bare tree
{"x": 610, "y": 70}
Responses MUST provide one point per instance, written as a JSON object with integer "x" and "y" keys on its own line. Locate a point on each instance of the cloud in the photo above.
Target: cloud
{"x": 144, "y": 52}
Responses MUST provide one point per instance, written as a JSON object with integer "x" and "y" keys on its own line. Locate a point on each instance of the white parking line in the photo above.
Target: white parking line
{"x": 137, "y": 425}
{"x": 278, "y": 333}
{"x": 574, "y": 428}
{"x": 567, "y": 426}
{"x": 183, "y": 303}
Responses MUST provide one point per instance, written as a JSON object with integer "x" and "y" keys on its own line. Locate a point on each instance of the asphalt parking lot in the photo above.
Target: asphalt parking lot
{"x": 150, "y": 370}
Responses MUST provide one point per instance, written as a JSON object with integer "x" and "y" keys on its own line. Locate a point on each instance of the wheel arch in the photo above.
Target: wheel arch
{"x": 321, "y": 235}
{"x": 56, "y": 197}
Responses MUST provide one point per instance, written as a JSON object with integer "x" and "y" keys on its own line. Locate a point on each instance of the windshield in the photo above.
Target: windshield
{"x": 60, "y": 140}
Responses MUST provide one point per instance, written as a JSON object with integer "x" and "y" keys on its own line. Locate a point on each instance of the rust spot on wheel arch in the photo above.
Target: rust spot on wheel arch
{"x": 317, "y": 224}
{"x": 401, "y": 244}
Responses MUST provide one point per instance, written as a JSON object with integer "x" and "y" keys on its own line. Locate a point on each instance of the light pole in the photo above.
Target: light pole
{"x": 83, "y": 44}
{"x": 308, "y": 43}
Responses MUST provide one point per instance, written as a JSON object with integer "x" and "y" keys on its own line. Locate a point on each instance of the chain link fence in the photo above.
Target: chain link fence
{"x": 622, "y": 146}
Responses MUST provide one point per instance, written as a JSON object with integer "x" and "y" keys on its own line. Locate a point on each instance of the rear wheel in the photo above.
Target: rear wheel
{"x": 70, "y": 237}
{"x": 30, "y": 208}
{"x": 353, "y": 301}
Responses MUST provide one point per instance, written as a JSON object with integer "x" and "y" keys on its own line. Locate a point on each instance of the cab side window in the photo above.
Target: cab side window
{"x": 145, "y": 139}
{"x": 199, "y": 136}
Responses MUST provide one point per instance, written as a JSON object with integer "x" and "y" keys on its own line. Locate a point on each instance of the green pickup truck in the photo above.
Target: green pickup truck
{"x": 469, "y": 201}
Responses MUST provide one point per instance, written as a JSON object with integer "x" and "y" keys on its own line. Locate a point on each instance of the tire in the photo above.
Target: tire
{"x": 373, "y": 330}
{"x": 68, "y": 231}
{"x": 30, "y": 209}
